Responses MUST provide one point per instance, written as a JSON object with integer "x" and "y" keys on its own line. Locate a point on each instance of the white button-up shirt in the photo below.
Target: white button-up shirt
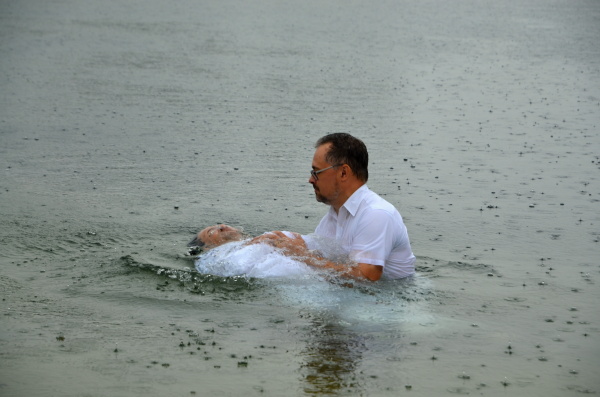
{"x": 372, "y": 231}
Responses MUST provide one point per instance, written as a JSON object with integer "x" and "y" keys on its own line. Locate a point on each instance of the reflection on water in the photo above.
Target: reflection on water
{"x": 332, "y": 355}
{"x": 349, "y": 323}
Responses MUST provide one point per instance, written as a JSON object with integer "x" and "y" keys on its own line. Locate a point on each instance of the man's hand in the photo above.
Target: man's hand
{"x": 293, "y": 246}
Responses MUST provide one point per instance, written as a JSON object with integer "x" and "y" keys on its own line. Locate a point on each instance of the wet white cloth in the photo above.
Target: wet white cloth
{"x": 254, "y": 260}
{"x": 372, "y": 231}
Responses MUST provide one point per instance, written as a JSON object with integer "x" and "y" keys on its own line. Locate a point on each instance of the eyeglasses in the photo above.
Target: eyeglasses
{"x": 314, "y": 173}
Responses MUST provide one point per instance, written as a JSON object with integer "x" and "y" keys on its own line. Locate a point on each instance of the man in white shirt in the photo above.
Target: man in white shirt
{"x": 367, "y": 226}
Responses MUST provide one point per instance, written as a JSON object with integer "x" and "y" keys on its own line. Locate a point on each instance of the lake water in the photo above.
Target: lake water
{"x": 127, "y": 126}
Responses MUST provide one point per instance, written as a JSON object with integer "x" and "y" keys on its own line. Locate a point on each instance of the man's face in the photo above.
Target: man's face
{"x": 325, "y": 184}
{"x": 216, "y": 235}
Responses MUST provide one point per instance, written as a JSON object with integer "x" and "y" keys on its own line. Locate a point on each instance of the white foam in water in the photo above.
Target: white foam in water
{"x": 386, "y": 305}
{"x": 263, "y": 260}
{"x": 255, "y": 260}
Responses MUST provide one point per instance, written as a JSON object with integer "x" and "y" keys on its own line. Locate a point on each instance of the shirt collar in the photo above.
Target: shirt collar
{"x": 351, "y": 205}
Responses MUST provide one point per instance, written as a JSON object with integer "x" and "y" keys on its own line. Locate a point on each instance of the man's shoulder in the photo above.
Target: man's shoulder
{"x": 374, "y": 201}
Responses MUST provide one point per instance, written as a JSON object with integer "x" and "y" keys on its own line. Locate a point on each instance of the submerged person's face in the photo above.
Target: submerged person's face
{"x": 216, "y": 235}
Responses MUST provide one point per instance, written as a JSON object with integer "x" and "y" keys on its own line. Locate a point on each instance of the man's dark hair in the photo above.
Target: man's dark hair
{"x": 346, "y": 149}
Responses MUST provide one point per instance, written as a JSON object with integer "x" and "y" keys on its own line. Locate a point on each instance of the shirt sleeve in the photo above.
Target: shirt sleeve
{"x": 374, "y": 238}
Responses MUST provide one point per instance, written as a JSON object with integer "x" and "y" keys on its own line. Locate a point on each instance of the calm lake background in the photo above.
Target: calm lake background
{"x": 127, "y": 126}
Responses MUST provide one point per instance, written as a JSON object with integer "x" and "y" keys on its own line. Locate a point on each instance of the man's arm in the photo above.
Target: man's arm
{"x": 360, "y": 271}
{"x": 296, "y": 247}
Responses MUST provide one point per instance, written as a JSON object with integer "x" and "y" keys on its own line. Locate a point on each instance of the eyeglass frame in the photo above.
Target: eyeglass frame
{"x": 315, "y": 174}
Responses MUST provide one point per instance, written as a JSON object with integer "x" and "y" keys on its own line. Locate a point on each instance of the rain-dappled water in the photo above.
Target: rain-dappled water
{"x": 127, "y": 126}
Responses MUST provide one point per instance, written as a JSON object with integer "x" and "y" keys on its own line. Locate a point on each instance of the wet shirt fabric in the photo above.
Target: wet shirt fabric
{"x": 372, "y": 231}
{"x": 254, "y": 260}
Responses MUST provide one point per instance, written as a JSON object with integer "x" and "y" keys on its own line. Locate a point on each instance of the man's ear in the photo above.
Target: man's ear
{"x": 346, "y": 171}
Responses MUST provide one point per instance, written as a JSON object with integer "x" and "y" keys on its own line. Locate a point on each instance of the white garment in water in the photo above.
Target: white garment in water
{"x": 260, "y": 260}
{"x": 255, "y": 260}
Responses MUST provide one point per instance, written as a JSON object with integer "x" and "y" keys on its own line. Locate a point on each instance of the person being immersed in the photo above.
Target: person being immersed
{"x": 224, "y": 250}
